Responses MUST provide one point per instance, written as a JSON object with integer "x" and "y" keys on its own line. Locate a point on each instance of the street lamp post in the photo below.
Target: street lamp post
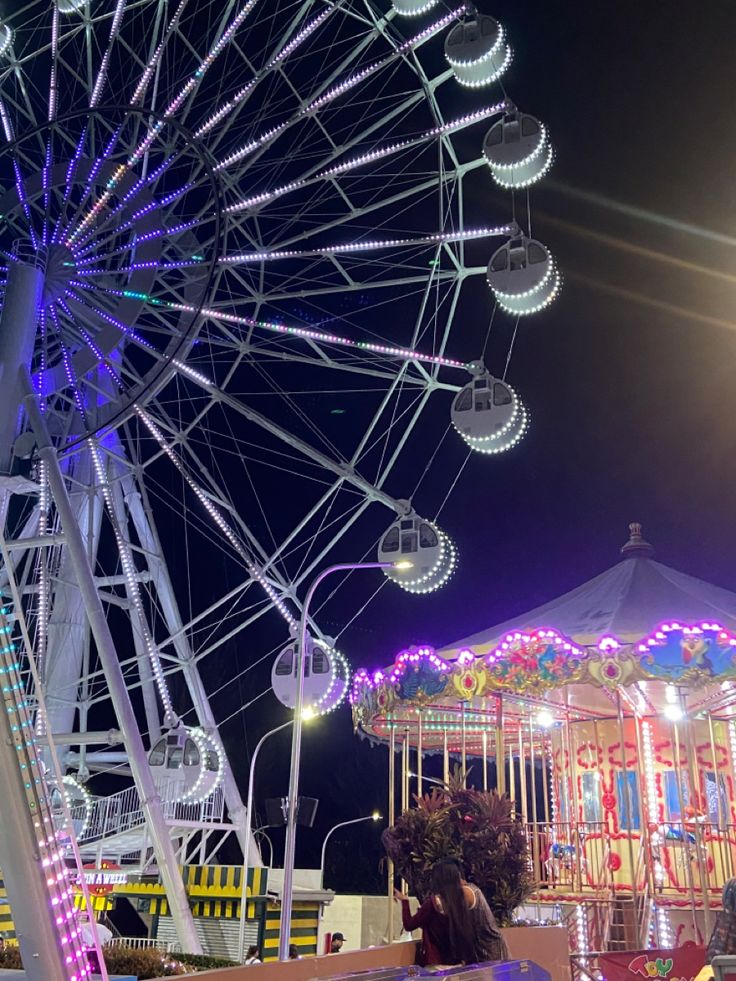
{"x": 296, "y": 745}
{"x": 248, "y": 826}
{"x": 375, "y": 816}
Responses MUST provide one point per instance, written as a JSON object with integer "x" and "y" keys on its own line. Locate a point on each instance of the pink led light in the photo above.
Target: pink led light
{"x": 518, "y": 639}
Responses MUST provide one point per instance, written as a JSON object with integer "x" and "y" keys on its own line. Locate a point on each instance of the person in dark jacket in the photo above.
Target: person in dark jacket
{"x": 457, "y": 924}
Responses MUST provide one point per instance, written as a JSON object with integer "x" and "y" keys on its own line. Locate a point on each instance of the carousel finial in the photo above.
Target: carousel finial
{"x": 636, "y": 547}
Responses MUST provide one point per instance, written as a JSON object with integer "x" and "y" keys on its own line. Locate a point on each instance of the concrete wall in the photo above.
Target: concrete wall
{"x": 546, "y": 946}
{"x": 363, "y": 920}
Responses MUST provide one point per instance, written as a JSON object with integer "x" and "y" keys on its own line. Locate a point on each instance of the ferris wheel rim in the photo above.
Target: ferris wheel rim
{"x": 156, "y": 381}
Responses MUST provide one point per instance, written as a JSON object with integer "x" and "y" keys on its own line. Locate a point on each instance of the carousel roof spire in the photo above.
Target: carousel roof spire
{"x": 637, "y": 546}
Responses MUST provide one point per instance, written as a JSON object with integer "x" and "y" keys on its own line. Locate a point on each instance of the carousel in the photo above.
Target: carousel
{"x": 609, "y": 717}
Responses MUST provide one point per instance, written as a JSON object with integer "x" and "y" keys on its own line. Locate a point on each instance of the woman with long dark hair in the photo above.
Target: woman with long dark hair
{"x": 454, "y": 920}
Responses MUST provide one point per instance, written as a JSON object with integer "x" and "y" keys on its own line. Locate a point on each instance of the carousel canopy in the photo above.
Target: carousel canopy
{"x": 662, "y": 641}
{"x": 627, "y": 602}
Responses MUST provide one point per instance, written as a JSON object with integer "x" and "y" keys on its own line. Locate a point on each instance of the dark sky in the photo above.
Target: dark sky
{"x": 628, "y": 376}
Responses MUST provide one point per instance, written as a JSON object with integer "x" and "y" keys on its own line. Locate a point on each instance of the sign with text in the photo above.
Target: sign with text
{"x": 679, "y": 964}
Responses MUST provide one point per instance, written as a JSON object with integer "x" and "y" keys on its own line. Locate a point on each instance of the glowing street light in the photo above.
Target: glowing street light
{"x": 296, "y": 743}
{"x": 375, "y": 816}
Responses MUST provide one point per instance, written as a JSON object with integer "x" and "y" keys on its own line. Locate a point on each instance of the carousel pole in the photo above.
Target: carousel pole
{"x": 522, "y": 776}
{"x": 512, "y": 774}
{"x": 726, "y": 857}
{"x": 391, "y": 822}
{"x": 420, "y": 744}
{"x": 546, "y": 744}
{"x": 645, "y": 837}
{"x": 445, "y": 757}
{"x": 484, "y": 739}
{"x": 464, "y": 747}
{"x": 500, "y": 762}
{"x": 640, "y": 941}
{"x": 722, "y": 819}
{"x": 574, "y": 836}
{"x": 681, "y": 799}
{"x": 405, "y": 783}
{"x": 535, "y": 825}
{"x": 599, "y": 775}
{"x": 692, "y": 757}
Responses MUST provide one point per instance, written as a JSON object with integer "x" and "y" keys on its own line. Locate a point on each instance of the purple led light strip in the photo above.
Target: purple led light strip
{"x": 102, "y": 71}
{"x": 153, "y": 131}
{"x": 402, "y": 353}
{"x": 253, "y": 569}
{"x": 110, "y": 216}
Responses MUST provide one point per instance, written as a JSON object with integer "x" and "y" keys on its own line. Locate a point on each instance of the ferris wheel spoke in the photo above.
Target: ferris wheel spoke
{"x": 350, "y": 248}
{"x": 408, "y": 197}
{"x": 363, "y": 43}
{"x": 339, "y": 468}
{"x": 326, "y": 93}
{"x": 216, "y": 515}
{"x": 257, "y": 201}
{"x": 289, "y": 43}
{"x": 102, "y": 70}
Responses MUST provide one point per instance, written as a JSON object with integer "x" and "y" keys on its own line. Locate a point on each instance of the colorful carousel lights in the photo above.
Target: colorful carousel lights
{"x": 412, "y": 659}
{"x": 517, "y": 638}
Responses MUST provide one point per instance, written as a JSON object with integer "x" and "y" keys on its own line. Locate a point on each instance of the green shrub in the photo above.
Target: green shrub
{"x": 479, "y": 829}
{"x": 143, "y": 964}
{"x": 10, "y": 959}
{"x": 203, "y": 962}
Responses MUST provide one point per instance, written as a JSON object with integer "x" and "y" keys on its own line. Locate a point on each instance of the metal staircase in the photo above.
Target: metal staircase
{"x": 116, "y": 828}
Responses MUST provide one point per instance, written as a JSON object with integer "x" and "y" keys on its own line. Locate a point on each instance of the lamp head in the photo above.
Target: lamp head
{"x": 673, "y": 712}
{"x": 376, "y": 816}
{"x": 308, "y": 714}
{"x": 403, "y": 564}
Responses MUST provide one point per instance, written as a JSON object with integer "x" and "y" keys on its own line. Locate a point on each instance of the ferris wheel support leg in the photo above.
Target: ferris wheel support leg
{"x": 67, "y": 626}
{"x": 22, "y": 302}
{"x": 148, "y": 687}
{"x": 150, "y": 799}
{"x": 148, "y": 536}
{"x": 21, "y": 866}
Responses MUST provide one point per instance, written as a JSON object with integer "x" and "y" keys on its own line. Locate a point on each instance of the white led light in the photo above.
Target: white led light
{"x": 338, "y": 90}
{"x": 6, "y": 39}
{"x": 432, "y": 564}
{"x": 673, "y": 713}
{"x": 70, "y": 6}
{"x": 477, "y": 51}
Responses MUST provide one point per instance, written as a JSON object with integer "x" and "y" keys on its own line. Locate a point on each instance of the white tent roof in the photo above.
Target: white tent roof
{"x": 628, "y": 602}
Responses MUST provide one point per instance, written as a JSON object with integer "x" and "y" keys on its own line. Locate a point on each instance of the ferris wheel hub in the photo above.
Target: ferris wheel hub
{"x": 60, "y": 269}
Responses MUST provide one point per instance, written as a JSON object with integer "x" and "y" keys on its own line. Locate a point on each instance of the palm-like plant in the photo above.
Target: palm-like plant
{"x": 479, "y": 829}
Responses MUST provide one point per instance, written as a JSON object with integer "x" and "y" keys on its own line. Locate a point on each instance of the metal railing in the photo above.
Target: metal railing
{"x": 694, "y": 859}
{"x": 122, "y": 812}
{"x": 145, "y": 943}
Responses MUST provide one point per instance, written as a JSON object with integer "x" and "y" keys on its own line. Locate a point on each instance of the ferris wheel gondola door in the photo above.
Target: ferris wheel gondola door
{"x": 318, "y": 674}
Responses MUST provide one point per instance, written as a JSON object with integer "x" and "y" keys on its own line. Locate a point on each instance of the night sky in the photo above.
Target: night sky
{"x": 628, "y": 377}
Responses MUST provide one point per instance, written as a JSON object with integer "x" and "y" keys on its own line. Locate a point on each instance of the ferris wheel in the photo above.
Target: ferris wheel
{"x": 237, "y": 238}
